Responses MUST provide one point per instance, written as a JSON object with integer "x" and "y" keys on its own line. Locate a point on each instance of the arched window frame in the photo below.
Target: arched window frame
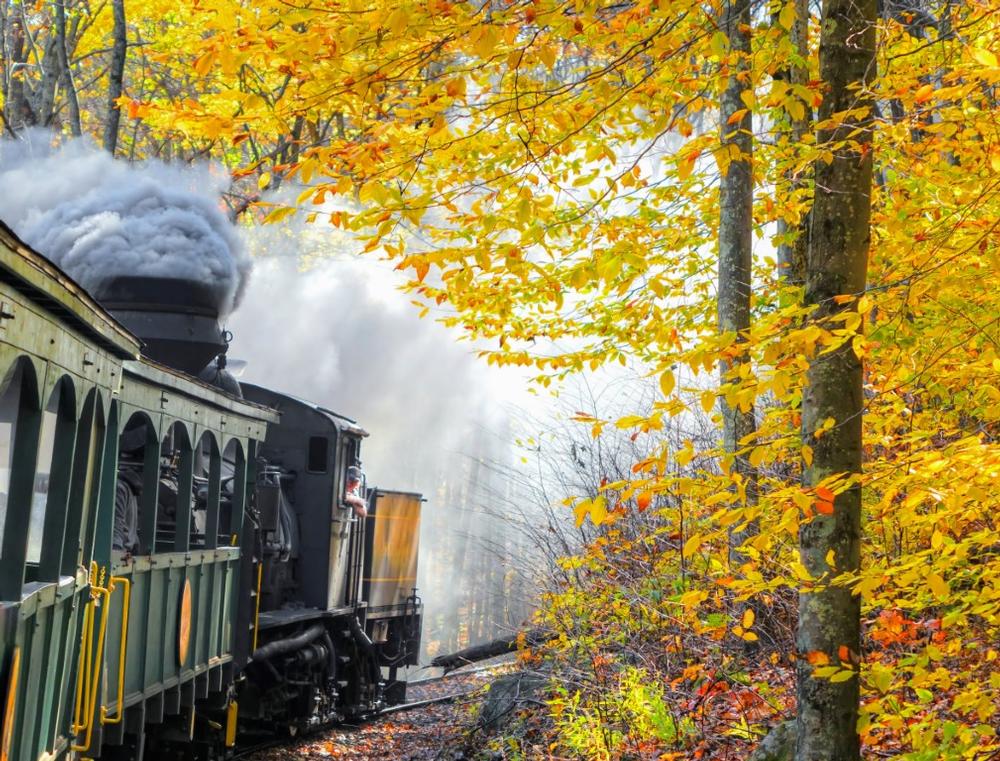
{"x": 62, "y": 401}
{"x": 239, "y": 457}
{"x": 24, "y": 449}
{"x": 214, "y": 475}
{"x": 185, "y": 480}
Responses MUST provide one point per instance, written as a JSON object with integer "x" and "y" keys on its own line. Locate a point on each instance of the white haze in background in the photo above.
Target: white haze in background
{"x": 321, "y": 324}
{"x": 98, "y": 218}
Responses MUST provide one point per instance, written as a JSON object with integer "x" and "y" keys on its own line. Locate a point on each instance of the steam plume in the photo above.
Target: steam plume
{"x": 98, "y": 218}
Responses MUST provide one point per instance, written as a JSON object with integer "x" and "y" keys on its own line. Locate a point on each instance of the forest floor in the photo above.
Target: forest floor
{"x": 435, "y": 732}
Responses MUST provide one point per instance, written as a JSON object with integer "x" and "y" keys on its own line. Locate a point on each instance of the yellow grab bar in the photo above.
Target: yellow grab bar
{"x": 256, "y": 613}
{"x": 86, "y": 691}
{"x": 10, "y": 706}
{"x": 126, "y": 585}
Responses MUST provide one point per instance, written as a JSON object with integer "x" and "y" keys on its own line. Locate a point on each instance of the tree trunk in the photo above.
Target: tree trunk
{"x": 115, "y": 77}
{"x": 17, "y": 108}
{"x": 66, "y": 72}
{"x": 829, "y": 618}
{"x": 736, "y": 227}
{"x": 792, "y": 255}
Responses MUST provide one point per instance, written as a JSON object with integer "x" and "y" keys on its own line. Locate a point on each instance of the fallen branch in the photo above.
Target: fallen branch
{"x": 508, "y": 644}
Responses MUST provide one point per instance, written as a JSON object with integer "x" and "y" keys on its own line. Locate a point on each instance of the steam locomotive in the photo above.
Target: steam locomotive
{"x": 181, "y": 566}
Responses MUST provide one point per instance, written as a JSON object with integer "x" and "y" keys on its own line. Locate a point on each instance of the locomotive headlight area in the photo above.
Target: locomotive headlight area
{"x": 186, "y": 563}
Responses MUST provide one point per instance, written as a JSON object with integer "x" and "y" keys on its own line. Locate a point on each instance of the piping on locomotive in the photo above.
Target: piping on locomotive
{"x": 180, "y": 563}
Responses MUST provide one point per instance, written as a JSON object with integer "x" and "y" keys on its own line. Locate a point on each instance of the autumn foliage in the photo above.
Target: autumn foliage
{"x": 546, "y": 172}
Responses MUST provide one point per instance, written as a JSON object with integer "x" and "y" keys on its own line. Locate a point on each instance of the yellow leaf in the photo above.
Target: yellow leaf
{"x": 455, "y": 87}
{"x": 757, "y": 456}
{"x": 485, "y": 41}
{"x": 938, "y": 586}
{"x": 748, "y": 618}
{"x": 667, "y": 383}
{"x": 264, "y": 180}
{"x": 923, "y": 94}
{"x": 548, "y": 55}
{"x": 686, "y": 165}
{"x": 282, "y": 212}
{"x": 708, "y": 401}
{"x": 398, "y": 20}
{"x": 691, "y": 545}
{"x": 985, "y": 57}
{"x": 842, "y": 676}
{"x": 685, "y": 455}
{"x": 204, "y": 62}
{"x": 807, "y": 455}
{"x": 795, "y": 108}
{"x": 598, "y": 510}
{"x": 788, "y": 15}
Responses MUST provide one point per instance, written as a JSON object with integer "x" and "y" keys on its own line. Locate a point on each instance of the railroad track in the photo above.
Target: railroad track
{"x": 269, "y": 743}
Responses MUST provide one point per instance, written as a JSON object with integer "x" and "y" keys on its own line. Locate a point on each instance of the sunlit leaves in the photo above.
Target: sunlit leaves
{"x": 549, "y": 179}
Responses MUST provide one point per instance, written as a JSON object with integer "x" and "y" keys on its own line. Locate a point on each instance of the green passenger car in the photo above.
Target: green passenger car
{"x": 99, "y": 641}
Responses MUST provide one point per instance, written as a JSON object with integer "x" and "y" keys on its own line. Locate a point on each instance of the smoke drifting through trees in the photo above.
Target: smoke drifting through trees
{"x": 98, "y": 218}
{"x": 340, "y": 334}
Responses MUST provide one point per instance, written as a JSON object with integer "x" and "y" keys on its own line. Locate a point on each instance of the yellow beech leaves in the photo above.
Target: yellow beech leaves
{"x": 547, "y": 175}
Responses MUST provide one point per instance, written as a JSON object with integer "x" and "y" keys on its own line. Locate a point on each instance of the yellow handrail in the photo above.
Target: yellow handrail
{"x": 90, "y": 673}
{"x": 10, "y": 707}
{"x": 256, "y": 614}
{"x": 126, "y": 585}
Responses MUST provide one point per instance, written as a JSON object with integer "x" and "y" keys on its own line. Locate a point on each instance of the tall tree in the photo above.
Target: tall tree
{"x": 116, "y": 73}
{"x": 795, "y": 78}
{"x": 736, "y": 233}
{"x": 836, "y": 270}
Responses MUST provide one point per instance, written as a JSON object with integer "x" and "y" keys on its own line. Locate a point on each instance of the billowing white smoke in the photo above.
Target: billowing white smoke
{"x": 98, "y": 218}
{"x": 332, "y": 328}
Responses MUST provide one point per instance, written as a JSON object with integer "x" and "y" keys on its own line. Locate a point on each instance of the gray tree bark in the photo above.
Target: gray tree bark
{"x": 736, "y": 226}
{"x": 116, "y": 74}
{"x": 830, "y": 617}
{"x": 66, "y": 72}
{"x": 792, "y": 256}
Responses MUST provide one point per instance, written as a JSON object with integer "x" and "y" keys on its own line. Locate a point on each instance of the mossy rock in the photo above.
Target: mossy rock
{"x": 778, "y": 745}
{"x": 507, "y": 694}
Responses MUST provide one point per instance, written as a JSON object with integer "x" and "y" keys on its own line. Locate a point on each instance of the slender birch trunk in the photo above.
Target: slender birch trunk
{"x": 830, "y": 617}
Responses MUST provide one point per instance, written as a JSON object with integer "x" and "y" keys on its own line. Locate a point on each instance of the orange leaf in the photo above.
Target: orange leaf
{"x": 737, "y": 116}
{"x": 817, "y": 658}
{"x": 923, "y": 94}
{"x": 825, "y": 494}
{"x": 643, "y": 500}
{"x": 823, "y": 508}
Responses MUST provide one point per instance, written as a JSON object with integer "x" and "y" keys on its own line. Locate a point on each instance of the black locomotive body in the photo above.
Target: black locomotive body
{"x": 317, "y": 576}
{"x": 182, "y": 564}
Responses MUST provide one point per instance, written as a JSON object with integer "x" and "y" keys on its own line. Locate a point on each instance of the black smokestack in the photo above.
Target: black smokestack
{"x": 177, "y": 319}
